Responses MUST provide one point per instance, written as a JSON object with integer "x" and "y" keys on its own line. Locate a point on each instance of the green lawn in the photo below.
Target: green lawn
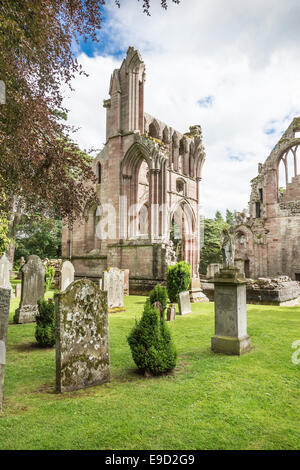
{"x": 210, "y": 402}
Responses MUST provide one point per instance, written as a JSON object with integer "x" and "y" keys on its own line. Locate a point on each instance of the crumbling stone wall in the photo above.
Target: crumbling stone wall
{"x": 148, "y": 164}
{"x": 270, "y": 232}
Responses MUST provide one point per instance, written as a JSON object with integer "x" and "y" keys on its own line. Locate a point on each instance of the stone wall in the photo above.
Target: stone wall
{"x": 144, "y": 164}
{"x": 268, "y": 236}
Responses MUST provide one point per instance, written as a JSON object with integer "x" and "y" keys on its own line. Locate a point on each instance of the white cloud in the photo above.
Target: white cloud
{"x": 243, "y": 54}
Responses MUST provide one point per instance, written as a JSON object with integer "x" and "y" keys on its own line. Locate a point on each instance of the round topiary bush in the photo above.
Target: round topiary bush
{"x": 151, "y": 345}
{"x": 159, "y": 294}
{"x": 178, "y": 279}
{"x": 45, "y": 324}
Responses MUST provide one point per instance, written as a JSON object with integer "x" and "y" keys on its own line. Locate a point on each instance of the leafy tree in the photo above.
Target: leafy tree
{"x": 211, "y": 252}
{"x": 151, "y": 344}
{"x": 40, "y": 165}
{"x": 38, "y": 235}
{"x": 230, "y": 216}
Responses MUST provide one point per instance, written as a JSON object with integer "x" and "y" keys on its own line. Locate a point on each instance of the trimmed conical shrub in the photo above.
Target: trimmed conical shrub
{"x": 151, "y": 345}
{"x": 178, "y": 279}
{"x": 159, "y": 294}
{"x": 45, "y": 324}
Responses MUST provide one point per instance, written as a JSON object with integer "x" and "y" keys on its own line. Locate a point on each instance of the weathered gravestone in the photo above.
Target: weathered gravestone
{"x": 184, "y": 303}
{"x": 33, "y": 278}
{"x": 113, "y": 284}
{"x": 82, "y": 347}
{"x": 66, "y": 275}
{"x": 18, "y": 290}
{"x": 5, "y": 268}
{"x": 230, "y": 313}
{"x": 4, "y": 314}
{"x": 126, "y": 281}
{"x": 171, "y": 312}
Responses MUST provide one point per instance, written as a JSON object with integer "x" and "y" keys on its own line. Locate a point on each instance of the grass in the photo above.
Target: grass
{"x": 211, "y": 401}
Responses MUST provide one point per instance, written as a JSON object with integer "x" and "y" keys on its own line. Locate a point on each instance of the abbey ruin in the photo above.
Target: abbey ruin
{"x": 268, "y": 239}
{"x": 148, "y": 178}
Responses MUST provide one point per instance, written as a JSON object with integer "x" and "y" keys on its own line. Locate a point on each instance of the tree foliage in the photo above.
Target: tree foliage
{"x": 211, "y": 252}
{"x": 4, "y": 240}
{"x": 38, "y": 234}
{"x": 39, "y": 162}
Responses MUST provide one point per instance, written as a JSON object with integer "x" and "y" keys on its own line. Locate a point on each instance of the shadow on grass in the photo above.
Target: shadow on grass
{"x": 30, "y": 346}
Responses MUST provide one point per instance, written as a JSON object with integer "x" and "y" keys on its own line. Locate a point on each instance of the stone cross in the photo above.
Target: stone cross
{"x": 184, "y": 303}
{"x": 33, "y": 279}
{"x": 4, "y": 314}
{"x": 66, "y": 275}
{"x": 113, "y": 283}
{"x": 82, "y": 345}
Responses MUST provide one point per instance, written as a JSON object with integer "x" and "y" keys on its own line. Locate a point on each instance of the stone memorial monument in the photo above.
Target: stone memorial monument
{"x": 33, "y": 279}
{"x": 230, "y": 305}
{"x": 82, "y": 345}
{"x": 4, "y": 314}
{"x": 184, "y": 303}
{"x": 67, "y": 273}
{"x": 113, "y": 284}
{"x": 196, "y": 294}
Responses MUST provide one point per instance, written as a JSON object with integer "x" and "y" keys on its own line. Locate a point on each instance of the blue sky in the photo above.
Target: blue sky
{"x": 233, "y": 67}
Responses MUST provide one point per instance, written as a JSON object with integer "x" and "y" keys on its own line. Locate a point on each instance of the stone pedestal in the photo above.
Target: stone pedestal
{"x": 196, "y": 294}
{"x": 230, "y": 313}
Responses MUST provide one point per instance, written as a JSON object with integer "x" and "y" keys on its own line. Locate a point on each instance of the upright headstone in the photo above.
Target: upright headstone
{"x": 4, "y": 314}
{"x": 5, "y": 268}
{"x": 184, "y": 303}
{"x": 230, "y": 313}
{"x": 171, "y": 312}
{"x": 33, "y": 278}
{"x": 113, "y": 283}
{"x": 82, "y": 347}
{"x": 66, "y": 275}
{"x": 18, "y": 290}
{"x": 126, "y": 281}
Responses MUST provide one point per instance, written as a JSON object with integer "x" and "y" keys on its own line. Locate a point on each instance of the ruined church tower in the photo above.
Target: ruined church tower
{"x": 148, "y": 185}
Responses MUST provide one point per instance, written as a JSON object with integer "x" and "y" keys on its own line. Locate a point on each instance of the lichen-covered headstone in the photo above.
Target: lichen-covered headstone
{"x": 5, "y": 268}
{"x": 184, "y": 303}
{"x": 82, "y": 346}
{"x": 4, "y": 314}
{"x": 113, "y": 284}
{"x": 33, "y": 278}
{"x": 66, "y": 275}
